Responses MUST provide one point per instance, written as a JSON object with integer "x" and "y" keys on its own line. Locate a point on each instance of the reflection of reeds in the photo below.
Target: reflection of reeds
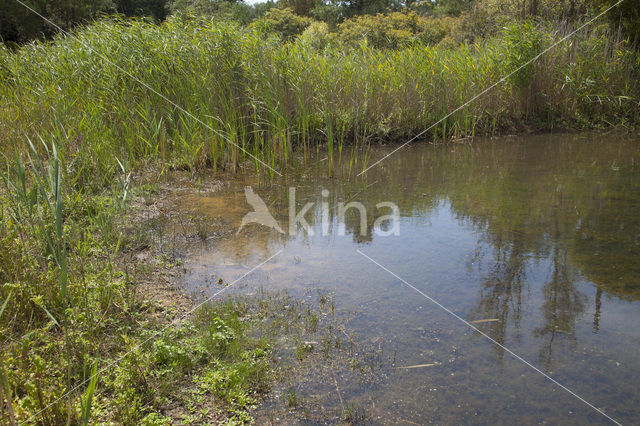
{"x": 269, "y": 97}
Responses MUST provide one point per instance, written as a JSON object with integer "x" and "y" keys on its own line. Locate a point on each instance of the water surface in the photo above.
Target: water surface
{"x": 539, "y": 236}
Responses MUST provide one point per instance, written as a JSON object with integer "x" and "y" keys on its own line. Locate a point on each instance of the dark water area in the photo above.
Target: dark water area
{"x": 533, "y": 240}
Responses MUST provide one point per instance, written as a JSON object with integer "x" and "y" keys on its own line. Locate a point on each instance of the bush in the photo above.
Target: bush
{"x": 486, "y": 18}
{"x": 228, "y": 11}
{"x": 283, "y": 22}
{"x": 378, "y": 31}
{"x": 435, "y": 30}
{"x": 316, "y": 35}
{"x": 394, "y": 30}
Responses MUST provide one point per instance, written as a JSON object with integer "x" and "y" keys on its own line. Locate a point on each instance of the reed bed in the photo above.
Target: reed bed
{"x": 253, "y": 94}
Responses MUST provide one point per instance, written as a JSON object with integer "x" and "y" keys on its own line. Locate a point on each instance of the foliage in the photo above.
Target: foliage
{"x": 316, "y": 35}
{"x": 626, "y": 16}
{"x": 394, "y": 30}
{"x": 370, "y": 7}
{"x": 472, "y": 19}
{"x": 283, "y": 22}
{"x": 20, "y": 24}
{"x": 299, "y": 7}
{"x": 329, "y": 12}
{"x": 524, "y": 44}
{"x": 157, "y": 9}
{"x": 486, "y": 18}
{"x": 269, "y": 97}
{"x": 224, "y": 10}
{"x": 452, "y": 7}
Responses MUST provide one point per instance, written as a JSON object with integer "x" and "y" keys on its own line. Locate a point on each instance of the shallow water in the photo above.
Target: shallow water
{"x": 540, "y": 235}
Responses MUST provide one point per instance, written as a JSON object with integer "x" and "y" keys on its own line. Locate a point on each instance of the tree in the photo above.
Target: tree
{"x": 371, "y": 7}
{"x": 19, "y": 24}
{"x": 299, "y": 7}
{"x": 154, "y": 8}
{"x": 236, "y": 11}
{"x": 453, "y": 7}
{"x": 283, "y": 22}
{"x": 625, "y": 16}
{"x": 330, "y": 12}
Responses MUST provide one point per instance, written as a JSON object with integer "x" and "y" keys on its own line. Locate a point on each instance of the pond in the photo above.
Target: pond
{"x": 509, "y": 282}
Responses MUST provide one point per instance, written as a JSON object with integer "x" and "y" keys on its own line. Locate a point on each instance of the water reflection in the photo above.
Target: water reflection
{"x": 562, "y": 305}
{"x": 537, "y": 235}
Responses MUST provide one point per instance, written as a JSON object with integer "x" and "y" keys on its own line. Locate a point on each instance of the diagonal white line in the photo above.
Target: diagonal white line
{"x": 535, "y": 58}
{"x": 142, "y": 83}
{"x": 172, "y": 323}
{"x": 518, "y": 357}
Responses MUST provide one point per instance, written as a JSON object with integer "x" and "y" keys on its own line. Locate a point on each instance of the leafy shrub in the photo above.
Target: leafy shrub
{"x": 171, "y": 355}
{"x": 316, "y": 35}
{"x": 435, "y": 30}
{"x": 299, "y": 7}
{"x": 379, "y": 31}
{"x": 394, "y": 30}
{"x": 224, "y": 10}
{"x": 486, "y": 18}
{"x": 283, "y": 22}
{"x": 216, "y": 333}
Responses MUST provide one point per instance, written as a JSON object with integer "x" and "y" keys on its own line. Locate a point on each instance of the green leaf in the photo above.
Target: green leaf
{"x": 4, "y": 305}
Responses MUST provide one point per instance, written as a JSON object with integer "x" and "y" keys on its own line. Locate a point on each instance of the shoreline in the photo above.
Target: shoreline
{"x": 144, "y": 300}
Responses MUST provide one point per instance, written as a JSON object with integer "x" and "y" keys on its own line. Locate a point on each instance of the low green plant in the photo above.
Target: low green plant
{"x": 292, "y": 398}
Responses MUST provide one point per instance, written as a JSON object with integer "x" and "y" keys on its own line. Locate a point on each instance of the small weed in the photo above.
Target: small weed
{"x": 303, "y": 349}
{"x": 354, "y": 414}
{"x": 293, "y": 400}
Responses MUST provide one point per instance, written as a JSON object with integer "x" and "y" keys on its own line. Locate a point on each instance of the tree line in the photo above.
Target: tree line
{"x": 18, "y": 24}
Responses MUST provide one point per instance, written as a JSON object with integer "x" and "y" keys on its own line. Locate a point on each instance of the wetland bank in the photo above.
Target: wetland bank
{"x": 128, "y": 148}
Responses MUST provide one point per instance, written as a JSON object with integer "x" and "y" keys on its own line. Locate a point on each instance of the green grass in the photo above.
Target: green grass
{"x": 245, "y": 89}
{"x": 79, "y": 343}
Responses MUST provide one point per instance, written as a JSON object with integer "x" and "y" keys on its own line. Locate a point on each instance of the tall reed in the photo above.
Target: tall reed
{"x": 269, "y": 97}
